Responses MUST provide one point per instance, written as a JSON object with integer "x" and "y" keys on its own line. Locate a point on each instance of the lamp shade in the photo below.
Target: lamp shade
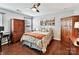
{"x": 76, "y": 25}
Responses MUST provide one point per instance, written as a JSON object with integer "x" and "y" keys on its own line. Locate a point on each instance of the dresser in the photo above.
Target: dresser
{"x": 17, "y": 29}
{"x": 68, "y": 32}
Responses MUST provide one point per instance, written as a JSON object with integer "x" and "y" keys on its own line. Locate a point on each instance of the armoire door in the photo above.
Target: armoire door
{"x": 66, "y": 30}
{"x": 17, "y": 29}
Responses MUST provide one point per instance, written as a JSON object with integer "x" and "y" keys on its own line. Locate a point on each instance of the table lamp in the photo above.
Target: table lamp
{"x": 76, "y": 25}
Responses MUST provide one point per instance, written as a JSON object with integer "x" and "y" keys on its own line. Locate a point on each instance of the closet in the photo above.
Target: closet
{"x": 17, "y": 29}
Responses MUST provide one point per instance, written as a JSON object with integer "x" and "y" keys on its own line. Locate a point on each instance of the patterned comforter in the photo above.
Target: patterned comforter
{"x": 34, "y": 42}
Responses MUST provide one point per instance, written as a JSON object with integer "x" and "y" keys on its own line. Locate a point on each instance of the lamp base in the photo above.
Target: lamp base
{"x": 77, "y": 42}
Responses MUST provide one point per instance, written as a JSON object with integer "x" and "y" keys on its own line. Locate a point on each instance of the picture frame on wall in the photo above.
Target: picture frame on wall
{"x": 48, "y": 22}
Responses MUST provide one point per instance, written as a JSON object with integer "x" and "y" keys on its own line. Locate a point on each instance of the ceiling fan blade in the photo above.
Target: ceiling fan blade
{"x": 38, "y": 4}
{"x": 37, "y": 10}
{"x": 35, "y": 7}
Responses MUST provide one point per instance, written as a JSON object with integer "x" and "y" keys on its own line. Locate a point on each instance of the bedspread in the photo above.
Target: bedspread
{"x": 37, "y": 43}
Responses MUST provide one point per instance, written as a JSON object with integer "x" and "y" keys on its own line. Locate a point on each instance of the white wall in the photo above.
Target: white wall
{"x": 58, "y": 16}
{"x": 27, "y": 23}
{"x": 0, "y": 19}
{"x": 9, "y": 15}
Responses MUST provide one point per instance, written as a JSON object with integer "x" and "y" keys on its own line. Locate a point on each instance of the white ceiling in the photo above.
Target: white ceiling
{"x": 45, "y": 8}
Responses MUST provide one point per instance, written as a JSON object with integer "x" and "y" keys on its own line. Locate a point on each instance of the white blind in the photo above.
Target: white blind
{"x": 0, "y": 19}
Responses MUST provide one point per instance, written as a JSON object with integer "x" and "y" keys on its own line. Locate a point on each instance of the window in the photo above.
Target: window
{"x": 0, "y": 19}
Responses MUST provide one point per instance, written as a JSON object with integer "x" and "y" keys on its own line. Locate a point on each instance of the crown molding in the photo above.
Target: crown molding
{"x": 27, "y": 16}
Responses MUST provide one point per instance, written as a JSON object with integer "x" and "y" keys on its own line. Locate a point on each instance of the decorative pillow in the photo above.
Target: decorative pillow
{"x": 44, "y": 30}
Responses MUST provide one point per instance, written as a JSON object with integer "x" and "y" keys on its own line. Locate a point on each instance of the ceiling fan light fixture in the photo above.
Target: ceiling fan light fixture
{"x": 33, "y": 9}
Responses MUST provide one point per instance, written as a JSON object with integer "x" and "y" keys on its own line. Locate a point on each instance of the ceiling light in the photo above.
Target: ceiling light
{"x": 34, "y": 9}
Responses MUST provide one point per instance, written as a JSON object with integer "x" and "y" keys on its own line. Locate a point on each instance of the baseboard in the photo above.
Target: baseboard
{"x": 57, "y": 39}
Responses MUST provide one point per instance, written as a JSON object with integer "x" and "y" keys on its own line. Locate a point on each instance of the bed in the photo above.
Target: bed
{"x": 37, "y": 40}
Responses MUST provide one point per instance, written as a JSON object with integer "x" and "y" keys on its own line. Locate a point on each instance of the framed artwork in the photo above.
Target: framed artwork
{"x": 48, "y": 22}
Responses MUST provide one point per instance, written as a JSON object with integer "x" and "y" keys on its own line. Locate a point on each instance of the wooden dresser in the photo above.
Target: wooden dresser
{"x": 68, "y": 32}
{"x": 17, "y": 29}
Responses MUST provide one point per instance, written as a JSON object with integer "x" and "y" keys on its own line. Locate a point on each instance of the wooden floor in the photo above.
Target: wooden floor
{"x": 54, "y": 48}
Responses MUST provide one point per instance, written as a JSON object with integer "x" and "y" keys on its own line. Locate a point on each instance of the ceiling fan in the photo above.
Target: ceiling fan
{"x": 35, "y": 7}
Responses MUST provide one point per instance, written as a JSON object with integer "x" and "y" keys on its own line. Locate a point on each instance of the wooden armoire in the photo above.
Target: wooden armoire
{"x": 17, "y": 29}
{"x": 68, "y": 32}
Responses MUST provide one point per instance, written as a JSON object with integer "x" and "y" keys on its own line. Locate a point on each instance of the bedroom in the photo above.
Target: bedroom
{"x": 42, "y": 27}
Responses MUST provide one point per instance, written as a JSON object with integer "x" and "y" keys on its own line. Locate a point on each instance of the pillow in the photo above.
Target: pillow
{"x": 44, "y": 29}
